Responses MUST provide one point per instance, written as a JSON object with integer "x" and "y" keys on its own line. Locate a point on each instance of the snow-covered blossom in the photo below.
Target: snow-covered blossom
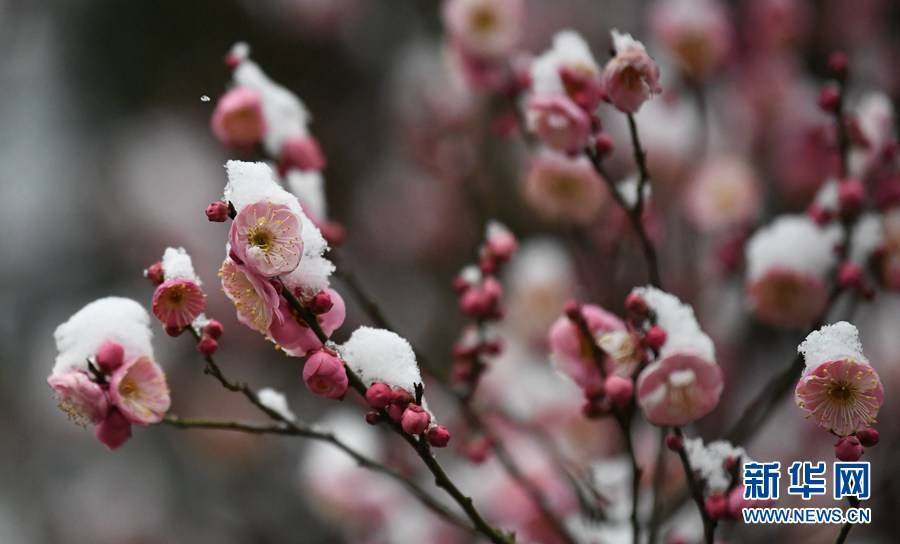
{"x": 484, "y": 28}
{"x": 685, "y": 383}
{"x": 266, "y": 237}
{"x": 275, "y": 400}
{"x": 567, "y": 68}
{"x": 139, "y": 390}
{"x": 696, "y": 33}
{"x": 725, "y": 192}
{"x": 177, "y": 302}
{"x": 379, "y": 355}
{"x": 558, "y": 122}
{"x": 631, "y": 77}
{"x": 711, "y": 461}
{"x": 839, "y": 390}
{"x": 787, "y": 263}
{"x": 285, "y": 115}
{"x": 238, "y": 118}
{"x": 564, "y": 189}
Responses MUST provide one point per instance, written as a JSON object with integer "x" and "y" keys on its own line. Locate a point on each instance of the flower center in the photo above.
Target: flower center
{"x": 128, "y": 389}
{"x": 483, "y": 19}
{"x": 260, "y": 237}
{"x": 842, "y": 393}
{"x": 175, "y": 295}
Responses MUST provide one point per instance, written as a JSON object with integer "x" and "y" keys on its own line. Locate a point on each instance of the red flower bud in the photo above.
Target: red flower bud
{"x": 848, "y": 448}
{"x": 217, "y": 211}
{"x": 438, "y": 436}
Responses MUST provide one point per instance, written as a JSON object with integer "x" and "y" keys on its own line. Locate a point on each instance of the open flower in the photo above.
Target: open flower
{"x": 840, "y": 390}
{"x": 571, "y": 351}
{"x": 568, "y": 68}
{"x": 266, "y": 237}
{"x": 139, "y": 390}
{"x": 238, "y": 119}
{"x": 564, "y": 189}
{"x": 631, "y": 77}
{"x": 80, "y": 398}
{"x": 696, "y": 33}
{"x": 254, "y": 298}
{"x": 484, "y": 28}
{"x": 177, "y": 302}
{"x": 679, "y": 389}
{"x": 558, "y": 122}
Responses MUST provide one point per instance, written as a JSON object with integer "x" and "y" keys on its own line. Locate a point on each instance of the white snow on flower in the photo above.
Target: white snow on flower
{"x": 709, "y": 460}
{"x": 875, "y": 117}
{"x": 612, "y": 479}
{"x": 868, "y": 236}
{"x": 495, "y": 228}
{"x": 379, "y": 355}
{"x": 470, "y": 274}
{"x": 569, "y": 50}
{"x": 116, "y": 319}
{"x": 309, "y": 187}
{"x": 240, "y": 51}
{"x": 285, "y": 114}
{"x": 830, "y": 343}
{"x": 827, "y": 196}
{"x": 622, "y": 42}
{"x": 683, "y": 333}
{"x": 793, "y": 242}
{"x": 276, "y": 401}
{"x": 250, "y": 182}
{"x": 628, "y": 189}
{"x": 176, "y": 264}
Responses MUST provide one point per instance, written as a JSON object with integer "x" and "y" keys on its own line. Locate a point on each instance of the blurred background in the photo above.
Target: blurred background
{"x": 106, "y": 158}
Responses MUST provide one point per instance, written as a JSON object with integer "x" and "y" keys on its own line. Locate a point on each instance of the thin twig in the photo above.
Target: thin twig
{"x": 845, "y": 529}
{"x": 709, "y": 524}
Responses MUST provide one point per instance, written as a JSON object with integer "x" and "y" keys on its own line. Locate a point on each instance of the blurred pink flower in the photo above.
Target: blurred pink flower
{"x": 631, "y": 77}
{"x": 679, "y": 389}
{"x": 558, "y": 122}
{"x": 571, "y": 352}
{"x": 296, "y": 338}
{"x": 696, "y": 32}
{"x": 564, "y": 189}
{"x": 266, "y": 237}
{"x": 324, "y": 375}
{"x": 254, "y": 297}
{"x": 80, "y": 398}
{"x": 484, "y": 28}
{"x": 139, "y": 390}
{"x": 113, "y": 431}
{"x": 842, "y": 396}
{"x": 238, "y": 119}
{"x": 787, "y": 298}
{"x": 177, "y": 302}
{"x": 725, "y": 192}
{"x": 300, "y": 153}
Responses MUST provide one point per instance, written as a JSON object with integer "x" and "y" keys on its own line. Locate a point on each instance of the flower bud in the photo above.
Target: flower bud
{"x": 716, "y": 506}
{"x": 619, "y": 390}
{"x": 300, "y": 153}
{"x": 572, "y": 310}
{"x": 373, "y": 417}
{"x": 324, "y": 375}
{"x": 113, "y": 431}
{"x": 848, "y": 448}
{"x": 207, "y": 346}
{"x": 379, "y": 395}
{"x": 415, "y": 419}
{"x": 321, "y": 303}
{"x": 829, "y": 99}
{"x": 674, "y": 442}
{"x": 217, "y": 212}
{"x": 395, "y": 411}
{"x": 174, "y": 330}
{"x": 851, "y": 195}
{"x": 438, "y": 436}
{"x": 154, "y": 273}
{"x": 838, "y": 64}
{"x": 818, "y": 214}
{"x": 401, "y": 397}
{"x": 603, "y": 144}
{"x": 213, "y": 329}
{"x": 655, "y": 337}
{"x": 850, "y": 275}
{"x": 110, "y": 356}
{"x": 636, "y": 306}
{"x": 868, "y": 437}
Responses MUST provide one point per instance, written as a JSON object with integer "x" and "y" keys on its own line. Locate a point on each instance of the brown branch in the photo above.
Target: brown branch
{"x": 709, "y": 524}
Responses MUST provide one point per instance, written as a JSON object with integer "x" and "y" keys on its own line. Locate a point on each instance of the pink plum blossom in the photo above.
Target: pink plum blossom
{"x": 564, "y": 189}
{"x": 568, "y": 68}
{"x": 295, "y": 337}
{"x": 631, "y": 77}
{"x": 679, "y": 389}
{"x": 300, "y": 153}
{"x": 696, "y": 33}
{"x": 266, "y": 237}
{"x": 238, "y": 118}
{"x": 139, "y": 390}
{"x": 842, "y": 396}
{"x": 571, "y": 352}
{"x": 254, "y": 297}
{"x": 787, "y": 298}
{"x": 324, "y": 375}
{"x": 484, "y": 28}
{"x": 81, "y": 399}
{"x": 177, "y": 302}
{"x": 114, "y": 430}
{"x": 558, "y": 122}
{"x": 725, "y": 192}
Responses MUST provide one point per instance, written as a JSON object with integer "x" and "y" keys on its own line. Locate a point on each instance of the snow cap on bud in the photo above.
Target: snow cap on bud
{"x": 110, "y": 356}
{"x": 655, "y": 337}
{"x": 868, "y": 437}
{"x": 500, "y": 241}
{"x": 154, "y": 273}
{"x": 300, "y": 153}
{"x": 213, "y": 329}
{"x": 217, "y": 211}
{"x": 379, "y": 395}
{"x": 415, "y": 419}
{"x": 238, "y": 119}
{"x": 631, "y": 77}
{"x": 207, "y": 345}
{"x": 851, "y": 195}
{"x": 324, "y": 375}
{"x": 113, "y": 431}
{"x": 619, "y": 390}
{"x": 438, "y": 436}
{"x": 848, "y": 448}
